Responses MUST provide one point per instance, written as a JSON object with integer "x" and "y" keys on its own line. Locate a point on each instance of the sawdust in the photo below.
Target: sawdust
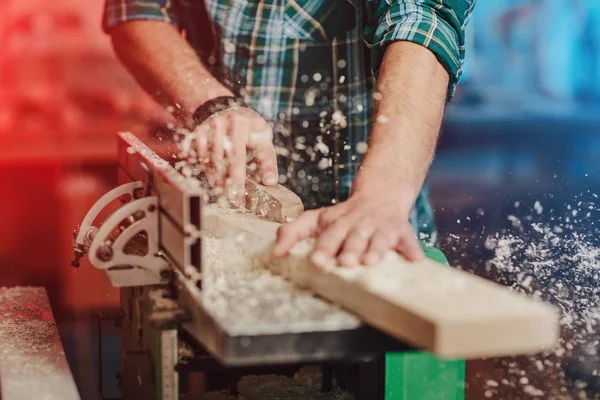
{"x": 557, "y": 261}
{"x": 246, "y": 298}
{"x": 390, "y": 279}
{"x": 32, "y": 361}
{"x": 303, "y": 386}
{"x": 161, "y": 301}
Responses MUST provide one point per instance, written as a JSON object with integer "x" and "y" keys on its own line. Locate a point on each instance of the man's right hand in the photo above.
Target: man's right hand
{"x": 168, "y": 68}
{"x": 227, "y": 142}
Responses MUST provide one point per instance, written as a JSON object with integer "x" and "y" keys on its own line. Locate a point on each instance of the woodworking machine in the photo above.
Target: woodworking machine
{"x": 150, "y": 247}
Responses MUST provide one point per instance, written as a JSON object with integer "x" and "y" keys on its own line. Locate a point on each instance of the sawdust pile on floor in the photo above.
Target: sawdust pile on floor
{"x": 32, "y": 363}
{"x": 303, "y": 386}
{"x": 246, "y": 298}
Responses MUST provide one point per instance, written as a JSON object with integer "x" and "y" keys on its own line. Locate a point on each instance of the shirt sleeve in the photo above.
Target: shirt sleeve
{"x": 119, "y": 11}
{"x": 438, "y": 25}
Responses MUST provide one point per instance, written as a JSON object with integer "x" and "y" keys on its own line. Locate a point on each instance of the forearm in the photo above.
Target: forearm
{"x": 412, "y": 85}
{"x": 165, "y": 65}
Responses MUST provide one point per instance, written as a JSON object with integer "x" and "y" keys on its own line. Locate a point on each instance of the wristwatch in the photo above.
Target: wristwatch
{"x": 213, "y": 106}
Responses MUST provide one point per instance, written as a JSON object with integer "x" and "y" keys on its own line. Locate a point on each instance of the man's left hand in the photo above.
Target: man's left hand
{"x": 359, "y": 231}
{"x": 412, "y": 85}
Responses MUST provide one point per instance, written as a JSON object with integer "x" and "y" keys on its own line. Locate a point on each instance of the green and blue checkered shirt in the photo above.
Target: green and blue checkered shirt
{"x": 308, "y": 67}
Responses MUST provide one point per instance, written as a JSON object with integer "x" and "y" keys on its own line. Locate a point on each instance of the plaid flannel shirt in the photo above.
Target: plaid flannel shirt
{"x": 307, "y": 66}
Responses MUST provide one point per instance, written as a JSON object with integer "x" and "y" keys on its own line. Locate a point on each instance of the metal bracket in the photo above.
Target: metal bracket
{"x": 85, "y": 233}
{"x": 108, "y": 248}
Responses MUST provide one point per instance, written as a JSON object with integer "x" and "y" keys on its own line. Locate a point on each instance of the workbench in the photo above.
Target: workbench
{"x": 32, "y": 361}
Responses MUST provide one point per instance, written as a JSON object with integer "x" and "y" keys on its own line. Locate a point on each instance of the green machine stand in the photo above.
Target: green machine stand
{"x": 421, "y": 376}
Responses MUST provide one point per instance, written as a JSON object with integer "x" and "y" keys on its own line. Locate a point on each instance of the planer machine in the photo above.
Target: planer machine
{"x": 172, "y": 328}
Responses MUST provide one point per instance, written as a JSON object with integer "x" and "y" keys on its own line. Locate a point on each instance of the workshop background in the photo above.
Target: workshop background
{"x": 521, "y": 135}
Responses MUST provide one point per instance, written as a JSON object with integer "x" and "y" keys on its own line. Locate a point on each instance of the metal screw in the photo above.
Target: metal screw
{"x": 91, "y": 234}
{"x": 104, "y": 253}
{"x": 75, "y": 263}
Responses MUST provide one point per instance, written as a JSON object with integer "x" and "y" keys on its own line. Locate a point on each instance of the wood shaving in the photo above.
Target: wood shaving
{"x": 559, "y": 262}
{"x": 246, "y": 298}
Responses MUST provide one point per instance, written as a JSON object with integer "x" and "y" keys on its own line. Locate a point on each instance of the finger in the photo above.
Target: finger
{"x": 217, "y": 151}
{"x": 356, "y": 244}
{"x": 202, "y": 139}
{"x": 331, "y": 215}
{"x": 289, "y": 234}
{"x": 382, "y": 241}
{"x": 236, "y": 156}
{"x": 261, "y": 143}
{"x": 205, "y": 133}
{"x": 408, "y": 247}
{"x": 330, "y": 241}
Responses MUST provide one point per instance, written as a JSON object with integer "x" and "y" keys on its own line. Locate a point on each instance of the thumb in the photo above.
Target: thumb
{"x": 265, "y": 156}
{"x": 293, "y": 232}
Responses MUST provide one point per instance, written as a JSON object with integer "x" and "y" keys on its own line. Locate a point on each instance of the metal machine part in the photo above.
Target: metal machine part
{"x": 149, "y": 354}
{"x": 84, "y": 234}
{"x": 163, "y": 218}
{"x": 166, "y": 207}
{"x": 157, "y": 357}
{"x": 111, "y": 247}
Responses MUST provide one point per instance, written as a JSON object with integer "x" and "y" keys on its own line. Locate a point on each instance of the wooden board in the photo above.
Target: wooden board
{"x": 449, "y": 312}
{"x": 32, "y": 360}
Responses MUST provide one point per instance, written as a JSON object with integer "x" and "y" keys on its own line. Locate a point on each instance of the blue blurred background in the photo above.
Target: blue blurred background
{"x": 524, "y": 128}
{"x": 525, "y": 121}
{"x": 549, "y": 49}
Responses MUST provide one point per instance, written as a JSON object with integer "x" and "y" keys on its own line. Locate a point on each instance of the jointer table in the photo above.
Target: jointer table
{"x": 171, "y": 325}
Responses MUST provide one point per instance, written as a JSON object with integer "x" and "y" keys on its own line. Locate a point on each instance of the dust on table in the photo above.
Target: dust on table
{"x": 246, "y": 298}
{"x": 32, "y": 360}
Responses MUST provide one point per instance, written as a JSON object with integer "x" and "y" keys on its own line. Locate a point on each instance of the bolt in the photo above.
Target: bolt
{"x": 91, "y": 234}
{"x": 75, "y": 262}
{"x": 104, "y": 253}
{"x": 151, "y": 208}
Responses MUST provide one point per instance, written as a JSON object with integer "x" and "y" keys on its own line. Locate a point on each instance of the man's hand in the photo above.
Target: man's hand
{"x": 226, "y": 143}
{"x": 412, "y": 86}
{"x": 358, "y": 231}
{"x": 168, "y": 68}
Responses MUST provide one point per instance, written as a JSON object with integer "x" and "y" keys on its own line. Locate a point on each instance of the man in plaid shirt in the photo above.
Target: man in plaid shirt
{"x": 312, "y": 109}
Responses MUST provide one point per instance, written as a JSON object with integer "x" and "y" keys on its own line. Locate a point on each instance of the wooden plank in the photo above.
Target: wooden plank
{"x": 449, "y": 312}
{"x": 32, "y": 360}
